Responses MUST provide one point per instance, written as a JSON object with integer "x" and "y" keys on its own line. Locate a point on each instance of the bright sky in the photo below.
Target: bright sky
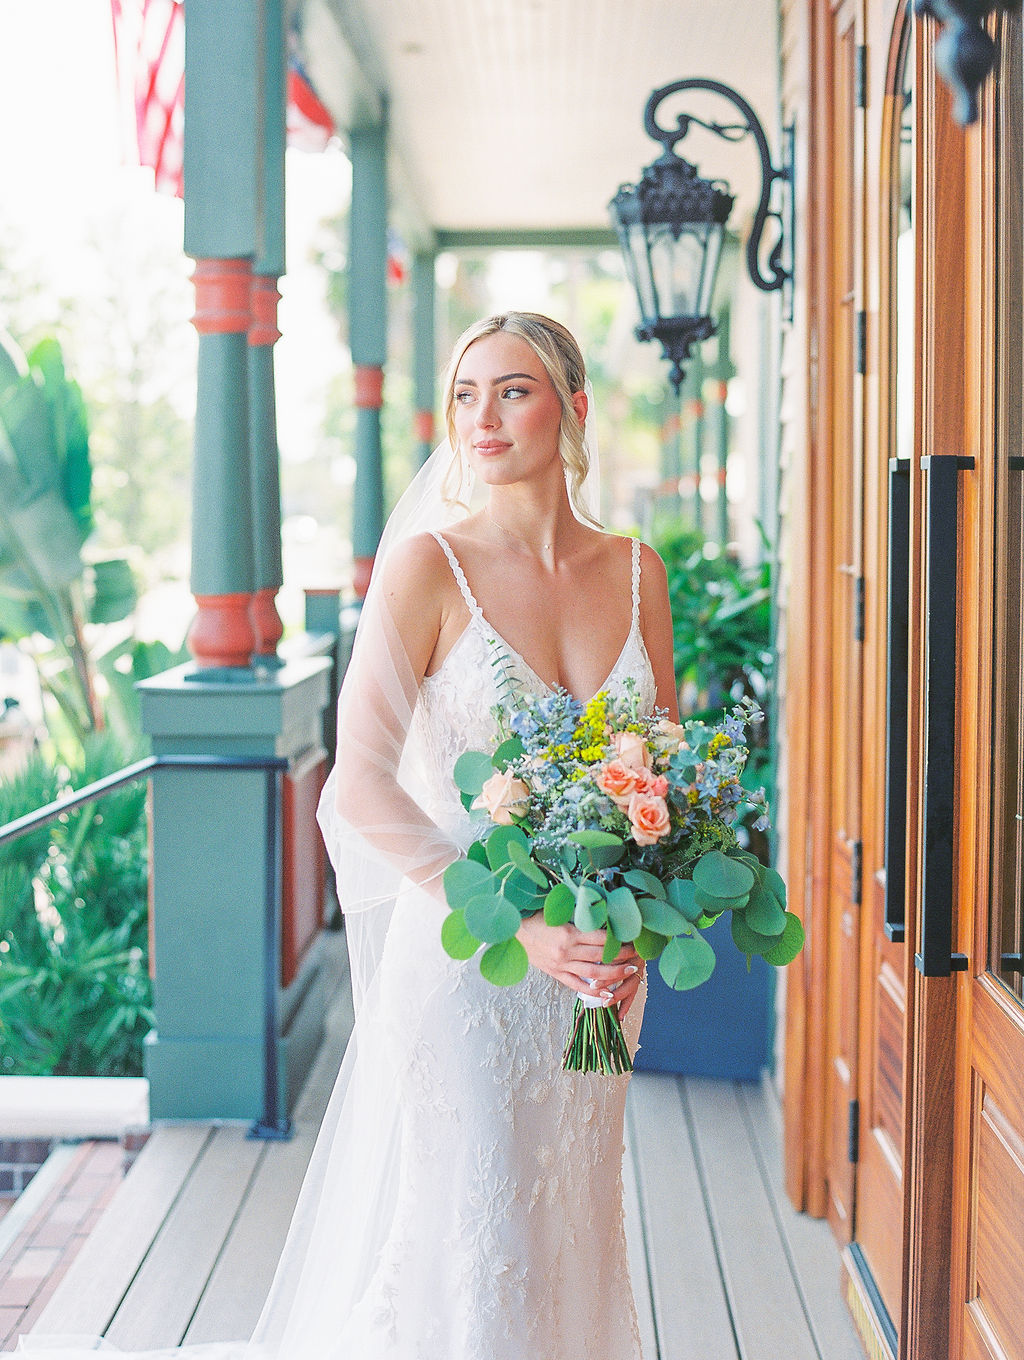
{"x": 61, "y": 166}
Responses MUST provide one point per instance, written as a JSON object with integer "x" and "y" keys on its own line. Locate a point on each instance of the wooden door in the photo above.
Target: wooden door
{"x": 875, "y": 1258}
{"x": 987, "y": 1292}
{"x": 844, "y": 445}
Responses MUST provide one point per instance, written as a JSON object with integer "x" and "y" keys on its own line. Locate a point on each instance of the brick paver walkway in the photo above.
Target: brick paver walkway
{"x": 39, "y": 1256}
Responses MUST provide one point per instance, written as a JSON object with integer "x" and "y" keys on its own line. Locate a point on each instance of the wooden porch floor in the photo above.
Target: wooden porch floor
{"x": 723, "y": 1269}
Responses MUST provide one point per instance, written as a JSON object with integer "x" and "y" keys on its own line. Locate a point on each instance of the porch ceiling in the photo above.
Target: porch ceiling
{"x": 518, "y": 115}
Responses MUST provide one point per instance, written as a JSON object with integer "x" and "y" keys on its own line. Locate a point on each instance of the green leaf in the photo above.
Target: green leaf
{"x": 492, "y": 918}
{"x": 721, "y": 875}
{"x": 518, "y": 889}
{"x": 764, "y": 914}
{"x": 640, "y": 878}
{"x": 601, "y": 849}
{"x": 478, "y": 853}
{"x": 623, "y": 914}
{"x": 789, "y": 944}
{"x": 775, "y": 884}
{"x": 472, "y": 771}
{"x": 682, "y": 894}
{"x": 499, "y": 841}
{"x": 508, "y": 751}
{"x": 686, "y": 962}
{"x": 114, "y": 595}
{"x": 716, "y": 905}
{"x": 456, "y": 939}
{"x": 504, "y": 964}
{"x": 662, "y": 918}
{"x": 465, "y": 878}
{"x": 591, "y": 909}
{"x": 559, "y": 905}
{"x": 649, "y": 944}
{"x": 749, "y": 941}
{"x": 521, "y": 859}
{"x": 612, "y": 945}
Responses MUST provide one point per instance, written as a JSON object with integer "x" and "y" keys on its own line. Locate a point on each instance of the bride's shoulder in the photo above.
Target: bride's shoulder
{"x": 416, "y": 569}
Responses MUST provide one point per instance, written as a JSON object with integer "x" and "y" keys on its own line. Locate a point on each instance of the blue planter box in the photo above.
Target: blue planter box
{"x": 721, "y": 1029}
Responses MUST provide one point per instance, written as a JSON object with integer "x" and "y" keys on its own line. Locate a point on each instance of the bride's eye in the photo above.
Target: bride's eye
{"x": 515, "y": 392}
{"x": 463, "y": 398}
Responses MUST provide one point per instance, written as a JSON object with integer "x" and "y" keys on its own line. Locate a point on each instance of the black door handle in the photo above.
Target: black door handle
{"x": 896, "y": 681}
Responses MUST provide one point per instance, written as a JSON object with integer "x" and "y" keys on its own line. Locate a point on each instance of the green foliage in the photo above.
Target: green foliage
{"x": 74, "y": 987}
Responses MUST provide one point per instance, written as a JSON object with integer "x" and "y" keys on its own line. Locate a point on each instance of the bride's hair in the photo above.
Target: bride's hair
{"x": 558, "y": 351}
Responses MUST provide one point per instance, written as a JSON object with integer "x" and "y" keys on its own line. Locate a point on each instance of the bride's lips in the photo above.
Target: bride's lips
{"x": 491, "y": 446}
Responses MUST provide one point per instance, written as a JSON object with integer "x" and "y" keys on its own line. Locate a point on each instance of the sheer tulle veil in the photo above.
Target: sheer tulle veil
{"x": 381, "y": 844}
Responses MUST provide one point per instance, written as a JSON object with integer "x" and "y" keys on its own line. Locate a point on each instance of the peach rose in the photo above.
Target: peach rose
{"x": 648, "y": 782}
{"x": 504, "y": 797}
{"x": 671, "y": 736}
{"x": 618, "y": 780}
{"x": 648, "y": 817}
{"x": 631, "y": 750}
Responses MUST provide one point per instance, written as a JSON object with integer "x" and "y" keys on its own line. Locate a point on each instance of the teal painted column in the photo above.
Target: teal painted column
{"x": 265, "y": 468}
{"x": 368, "y": 328}
{"x": 719, "y": 385}
{"x": 223, "y": 233}
{"x": 693, "y": 427}
{"x": 424, "y": 326}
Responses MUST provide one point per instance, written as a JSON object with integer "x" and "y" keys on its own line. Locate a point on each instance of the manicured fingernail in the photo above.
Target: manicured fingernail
{"x": 608, "y": 996}
{"x": 632, "y": 968}
{"x": 592, "y": 984}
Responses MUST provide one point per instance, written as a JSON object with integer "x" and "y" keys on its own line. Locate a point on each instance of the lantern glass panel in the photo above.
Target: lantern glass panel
{"x": 638, "y": 266}
{"x": 683, "y": 267}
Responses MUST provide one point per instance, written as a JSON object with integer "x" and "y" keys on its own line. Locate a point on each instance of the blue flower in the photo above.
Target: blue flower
{"x": 523, "y": 724}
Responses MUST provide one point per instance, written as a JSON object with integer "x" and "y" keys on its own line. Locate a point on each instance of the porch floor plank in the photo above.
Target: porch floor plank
{"x": 100, "y": 1275}
{"x": 810, "y": 1246}
{"x": 234, "y": 1297}
{"x": 689, "y": 1303}
{"x": 164, "y": 1294}
{"x": 766, "y": 1308}
{"x": 637, "y": 1251}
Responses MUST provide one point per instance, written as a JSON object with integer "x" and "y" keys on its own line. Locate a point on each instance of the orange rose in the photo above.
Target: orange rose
{"x": 648, "y": 782}
{"x": 618, "y": 780}
{"x": 648, "y": 817}
{"x": 504, "y": 798}
{"x": 671, "y": 736}
{"x": 631, "y": 750}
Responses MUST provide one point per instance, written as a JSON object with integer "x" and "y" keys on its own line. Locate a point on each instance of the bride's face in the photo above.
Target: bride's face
{"x": 507, "y": 412}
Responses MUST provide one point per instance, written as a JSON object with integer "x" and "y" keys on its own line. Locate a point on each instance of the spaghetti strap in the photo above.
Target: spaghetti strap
{"x": 636, "y": 582}
{"x": 459, "y": 574}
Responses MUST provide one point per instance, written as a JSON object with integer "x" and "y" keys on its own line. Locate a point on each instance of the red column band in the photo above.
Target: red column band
{"x": 423, "y": 426}
{"x": 369, "y": 386}
{"x": 223, "y": 290}
{"x": 263, "y": 300}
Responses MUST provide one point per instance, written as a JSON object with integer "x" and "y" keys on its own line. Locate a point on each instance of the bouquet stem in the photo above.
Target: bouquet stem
{"x": 596, "y": 1043}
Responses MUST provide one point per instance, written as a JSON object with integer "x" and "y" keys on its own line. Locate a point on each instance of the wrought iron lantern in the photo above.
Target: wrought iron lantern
{"x": 671, "y": 224}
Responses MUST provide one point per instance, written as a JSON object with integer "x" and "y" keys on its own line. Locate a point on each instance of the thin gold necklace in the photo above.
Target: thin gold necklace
{"x": 514, "y": 537}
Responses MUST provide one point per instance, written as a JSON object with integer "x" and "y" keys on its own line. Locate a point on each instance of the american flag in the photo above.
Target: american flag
{"x": 149, "y": 49}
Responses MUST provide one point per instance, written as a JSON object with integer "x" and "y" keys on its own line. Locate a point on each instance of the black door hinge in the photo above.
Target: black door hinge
{"x": 858, "y": 609}
{"x": 860, "y": 77}
{"x": 861, "y": 344}
{"x": 856, "y": 871}
{"x": 853, "y": 1131}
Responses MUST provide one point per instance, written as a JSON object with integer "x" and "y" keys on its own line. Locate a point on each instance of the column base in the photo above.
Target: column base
{"x": 222, "y": 633}
{"x": 266, "y": 622}
{"x": 361, "y": 578}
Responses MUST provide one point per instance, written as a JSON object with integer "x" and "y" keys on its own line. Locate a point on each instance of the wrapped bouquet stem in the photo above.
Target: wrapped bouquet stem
{"x": 617, "y": 822}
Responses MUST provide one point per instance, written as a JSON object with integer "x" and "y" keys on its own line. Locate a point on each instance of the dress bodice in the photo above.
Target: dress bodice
{"x": 454, "y": 711}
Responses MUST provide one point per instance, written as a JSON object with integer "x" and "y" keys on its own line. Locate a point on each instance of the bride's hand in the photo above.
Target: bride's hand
{"x": 574, "y": 959}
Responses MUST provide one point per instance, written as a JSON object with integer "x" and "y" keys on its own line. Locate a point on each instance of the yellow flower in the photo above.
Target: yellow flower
{"x": 718, "y": 742}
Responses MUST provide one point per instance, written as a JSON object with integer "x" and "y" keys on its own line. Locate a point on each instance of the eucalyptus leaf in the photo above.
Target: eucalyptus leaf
{"x": 499, "y": 842}
{"x": 465, "y": 878}
{"x": 764, "y": 914}
{"x": 492, "y": 918}
{"x": 721, "y": 875}
{"x": 457, "y": 940}
{"x": 504, "y": 964}
{"x": 477, "y": 852}
{"x": 521, "y": 859}
{"x": 612, "y": 945}
{"x": 624, "y": 916}
{"x": 749, "y": 941}
{"x": 591, "y": 910}
{"x": 598, "y": 849}
{"x": 682, "y": 894}
{"x": 640, "y": 878}
{"x": 662, "y": 918}
{"x": 686, "y": 962}
{"x": 518, "y": 889}
{"x": 472, "y": 771}
{"x": 649, "y": 944}
{"x": 559, "y": 905}
{"x": 716, "y": 905}
{"x": 775, "y": 884}
{"x": 509, "y": 750}
{"x": 789, "y": 944}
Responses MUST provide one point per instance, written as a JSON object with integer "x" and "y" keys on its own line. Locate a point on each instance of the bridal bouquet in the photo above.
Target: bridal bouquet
{"x": 620, "y": 822}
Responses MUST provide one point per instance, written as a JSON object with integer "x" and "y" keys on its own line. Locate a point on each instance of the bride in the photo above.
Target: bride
{"x": 464, "y": 1200}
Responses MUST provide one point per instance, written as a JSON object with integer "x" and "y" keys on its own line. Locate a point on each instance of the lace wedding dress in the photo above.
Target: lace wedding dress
{"x": 464, "y": 1198}
{"x": 507, "y": 1241}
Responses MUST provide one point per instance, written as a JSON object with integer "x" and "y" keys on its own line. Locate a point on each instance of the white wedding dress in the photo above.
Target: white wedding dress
{"x": 464, "y": 1198}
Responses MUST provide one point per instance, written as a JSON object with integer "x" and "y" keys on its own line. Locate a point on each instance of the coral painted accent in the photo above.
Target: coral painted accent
{"x": 222, "y": 296}
{"x": 266, "y": 621}
{"x": 222, "y": 633}
{"x": 423, "y": 426}
{"x": 369, "y": 386}
{"x": 263, "y": 300}
{"x": 361, "y": 580}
